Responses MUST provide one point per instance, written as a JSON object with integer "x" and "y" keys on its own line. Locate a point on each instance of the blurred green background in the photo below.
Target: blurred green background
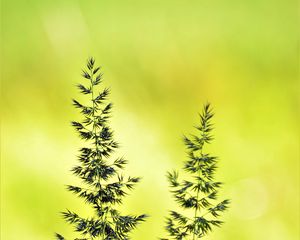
{"x": 162, "y": 60}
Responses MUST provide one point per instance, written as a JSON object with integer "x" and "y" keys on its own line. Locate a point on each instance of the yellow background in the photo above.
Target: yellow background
{"x": 162, "y": 60}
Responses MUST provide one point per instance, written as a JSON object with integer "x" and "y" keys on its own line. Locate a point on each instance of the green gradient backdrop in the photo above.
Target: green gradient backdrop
{"x": 162, "y": 60}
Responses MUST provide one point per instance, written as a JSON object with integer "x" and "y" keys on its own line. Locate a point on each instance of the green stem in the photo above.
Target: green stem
{"x": 94, "y": 117}
{"x": 198, "y": 191}
{"x": 96, "y": 144}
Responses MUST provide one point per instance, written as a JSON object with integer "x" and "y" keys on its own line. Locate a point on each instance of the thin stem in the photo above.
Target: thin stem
{"x": 96, "y": 143}
{"x": 94, "y": 117}
{"x": 198, "y": 191}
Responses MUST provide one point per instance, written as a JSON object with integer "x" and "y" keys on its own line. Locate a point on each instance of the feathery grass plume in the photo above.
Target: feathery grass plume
{"x": 197, "y": 195}
{"x": 103, "y": 186}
